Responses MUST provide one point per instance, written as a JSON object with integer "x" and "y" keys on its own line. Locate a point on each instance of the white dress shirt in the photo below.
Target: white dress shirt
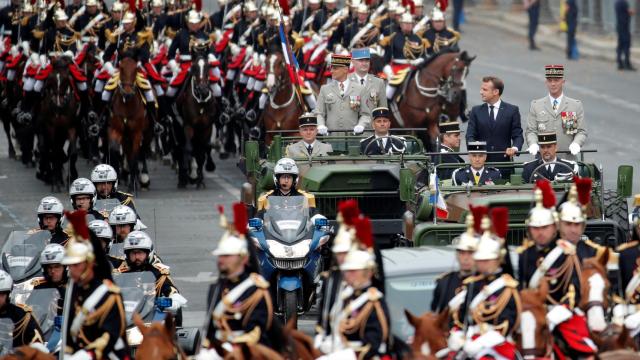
{"x": 496, "y": 107}
{"x": 559, "y": 99}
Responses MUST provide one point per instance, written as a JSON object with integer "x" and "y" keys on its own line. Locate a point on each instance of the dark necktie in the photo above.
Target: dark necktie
{"x": 491, "y": 114}
{"x": 309, "y": 149}
{"x": 362, "y": 82}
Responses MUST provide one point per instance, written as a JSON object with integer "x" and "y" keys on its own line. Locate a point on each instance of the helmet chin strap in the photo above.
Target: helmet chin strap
{"x": 88, "y": 271}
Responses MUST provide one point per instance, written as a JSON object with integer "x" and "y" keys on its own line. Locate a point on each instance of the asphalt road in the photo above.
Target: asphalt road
{"x": 184, "y": 223}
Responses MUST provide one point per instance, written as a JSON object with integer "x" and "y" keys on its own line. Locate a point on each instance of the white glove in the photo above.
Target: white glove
{"x": 211, "y": 58}
{"x": 416, "y": 62}
{"x": 26, "y": 49}
{"x": 208, "y": 354}
{"x": 557, "y": 315}
{"x": 619, "y": 311}
{"x": 486, "y": 341}
{"x": 80, "y": 355}
{"x": 177, "y": 301}
{"x": 40, "y": 347}
{"x": 358, "y": 129}
{"x": 108, "y": 67}
{"x": 34, "y": 59}
{"x": 455, "y": 341}
{"x": 68, "y": 54}
{"x": 533, "y": 149}
{"x": 235, "y": 49}
{"x": 43, "y": 61}
{"x": 316, "y": 38}
{"x": 323, "y": 130}
{"x": 574, "y": 148}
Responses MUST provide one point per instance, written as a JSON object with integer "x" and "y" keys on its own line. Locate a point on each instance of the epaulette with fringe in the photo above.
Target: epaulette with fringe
{"x": 526, "y": 244}
{"x": 260, "y": 282}
{"x": 471, "y": 279}
{"x": 628, "y": 245}
{"x": 164, "y": 269}
{"x": 509, "y": 281}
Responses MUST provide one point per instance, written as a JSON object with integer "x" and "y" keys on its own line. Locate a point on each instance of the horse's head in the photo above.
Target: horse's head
{"x": 431, "y": 332}
{"x": 276, "y": 72}
{"x": 28, "y": 353}
{"x": 158, "y": 340}
{"x": 58, "y": 87}
{"x": 200, "y": 79}
{"x": 534, "y": 338}
{"x": 128, "y": 70}
{"x": 453, "y": 78}
{"x": 594, "y": 287}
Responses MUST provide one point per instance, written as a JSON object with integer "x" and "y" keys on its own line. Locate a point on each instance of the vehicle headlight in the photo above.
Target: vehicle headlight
{"x": 134, "y": 336}
{"x": 282, "y": 251}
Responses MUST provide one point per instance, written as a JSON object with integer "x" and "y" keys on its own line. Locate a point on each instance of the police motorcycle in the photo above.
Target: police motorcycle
{"x": 122, "y": 214}
{"x": 289, "y": 243}
{"x": 6, "y": 336}
{"x": 21, "y": 255}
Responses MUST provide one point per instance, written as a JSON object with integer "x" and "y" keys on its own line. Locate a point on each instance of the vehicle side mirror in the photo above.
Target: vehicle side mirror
{"x": 255, "y": 223}
{"x": 407, "y": 184}
{"x": 164, "y": 302}
{"x": 625, "y": 180}
{"x": 252, "y": 156}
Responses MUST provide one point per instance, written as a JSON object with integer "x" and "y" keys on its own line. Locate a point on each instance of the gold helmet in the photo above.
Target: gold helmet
{"x": 361, "y": 255}
{"x": 468, "y": 241}
{"x": 129, "y": 18}
{"x": 574, "y": 209}
{"x": 117, "y": 6}
{"x": 437, "y": 14}
{"x": 79, "y": 248}
{"x": 491, "y": 244}
{"x": 194, "y": 17}
{"x": 91, "y": 3}
{"x": 544, "y": 213}
{"x": 233, "y": 241}
{"x": 60, "y": 15}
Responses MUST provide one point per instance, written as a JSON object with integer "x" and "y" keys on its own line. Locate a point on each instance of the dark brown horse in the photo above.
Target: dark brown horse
{"x": 198, "y": 110}
{"x": 23, "y": 126}
{"x": 534, "y": 338}
{"x": 283, "y": 108}
{"x": 129, "y": 126}
{"x": 430, "y": 336}
{"x": 28, "y": 353}
{"x": 57, "y": 124}
{"x": 434, "y": 87}
{"x": 158, "y": 340}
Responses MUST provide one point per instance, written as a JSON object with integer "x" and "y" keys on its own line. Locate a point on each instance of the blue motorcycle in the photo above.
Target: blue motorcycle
{"x": 289, "y": 243}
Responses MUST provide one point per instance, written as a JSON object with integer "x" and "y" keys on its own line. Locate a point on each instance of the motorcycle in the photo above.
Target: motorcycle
{"x": 46, "y": 305}
{"x": 289, "y": 245}
{"x": 21, "y": 255}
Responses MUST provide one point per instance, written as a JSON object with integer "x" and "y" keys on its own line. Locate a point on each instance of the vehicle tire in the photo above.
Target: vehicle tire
{"x": 290, "y": 310}
{"x": 616, "y": 209}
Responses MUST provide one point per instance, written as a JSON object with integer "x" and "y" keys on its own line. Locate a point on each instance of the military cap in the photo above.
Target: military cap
{"x": 554, "y": 71}
{"x": 447, "y": 126}
{"x": 547, "y": 138}
{"x": 380, "y": 112}
{"x": 307, "y": 119}
{"x": 477, "y": 147}
{"x": 363, "y": 53}
{"x": 340, "y": 60}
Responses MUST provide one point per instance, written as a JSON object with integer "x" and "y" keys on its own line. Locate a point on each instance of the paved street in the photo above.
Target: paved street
{"x": 184, "y": 222}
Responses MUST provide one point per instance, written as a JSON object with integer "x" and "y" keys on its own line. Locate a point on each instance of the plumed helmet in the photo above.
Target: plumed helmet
{"x": 233, "y": 241}
{"x": 544, "y": 212}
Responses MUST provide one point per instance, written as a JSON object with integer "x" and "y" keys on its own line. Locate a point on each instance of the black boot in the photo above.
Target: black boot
{"x": 24, "y": 113}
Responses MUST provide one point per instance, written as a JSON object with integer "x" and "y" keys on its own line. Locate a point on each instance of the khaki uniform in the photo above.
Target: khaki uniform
{"x": 375, "y": 89}
{"x": 299, "y": 150}
{"x": 343, "y": 112}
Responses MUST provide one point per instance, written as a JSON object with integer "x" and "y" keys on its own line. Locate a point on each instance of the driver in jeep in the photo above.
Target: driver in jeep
{"x": 554, "y": 169}
{"x": 382, "y": 142}
{"x": 285, "y": 177}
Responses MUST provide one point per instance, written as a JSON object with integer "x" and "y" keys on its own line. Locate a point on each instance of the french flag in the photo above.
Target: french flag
{"x": 436, "y": 198}
{"x": 292, "y": 62}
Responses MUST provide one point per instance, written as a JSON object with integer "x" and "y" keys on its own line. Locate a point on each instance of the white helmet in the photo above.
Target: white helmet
{"x": 138, "y": 240}
{"x": 77, "y": 252}
{"x": 101, "y": 228}
{"x": 6, "y": 282}
{"x": 544, "y": 213}
{"x": 231, "y": 244}
{"x": 358, "y": 260}
{"x": 50, "y": 205}
{"x": 342, "y": 242}
{"x": 82, "y": 186}
{"x": 489, "y": 248}
{"x": 122, "y": 215}
{"x": 285, "y": 166}
{"x": 437, "y": 15}
{"x": 52, "y": 254}
{"x": 60, "y": 15}
{"x": 104, "y": 173}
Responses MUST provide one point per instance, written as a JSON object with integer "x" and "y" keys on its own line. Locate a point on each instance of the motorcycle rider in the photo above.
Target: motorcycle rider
{"x": 49, "y": 218}
{"x": 105, "y": 234}
{"x": 123, "y": 221}
{"x": 83, "y": 196}
{"x": 105, "y": 179}
{"x": 54, "y": 273}
{"x": 285, "y": 178}
{"x": 26, "y": 329}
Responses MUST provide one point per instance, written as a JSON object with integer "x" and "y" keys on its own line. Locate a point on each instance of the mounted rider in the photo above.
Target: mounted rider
{"x": 90, "y": 26}
{"x": 11, "y": 29}
{"x": 50, "y": 212}
{"x": 628, "y": 298}
{"x": 438, "y": 36}
{"x": 26, "y": 330}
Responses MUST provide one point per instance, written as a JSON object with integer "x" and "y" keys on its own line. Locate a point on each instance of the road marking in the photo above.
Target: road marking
{"x": 225, "y": 184}
{"x": 5, "y": 209}
{"x": 202, "y": 277}
{"x": 2, "y": 177}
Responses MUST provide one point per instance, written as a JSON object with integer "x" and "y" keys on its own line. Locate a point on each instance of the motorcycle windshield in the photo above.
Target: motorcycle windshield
{"x": 45, "y": 304}
{"x": 116, "y": 250}
{"x": 64, "y": 222}
{"x": 104, "y": 206}
{"x": 138, "y": 291}
{"x": 6, "y": 336}
{"x": 286, "y": 218}
{"x": 21, "y": 253}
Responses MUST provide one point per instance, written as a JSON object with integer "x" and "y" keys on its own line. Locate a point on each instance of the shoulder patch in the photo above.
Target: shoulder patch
{"x": 125, "y": 194}
{"x": 164, "y": 269}
{"x": 628, "y": 245}
{"x": 260, "y": 281}
{"x": 112, "y": 287}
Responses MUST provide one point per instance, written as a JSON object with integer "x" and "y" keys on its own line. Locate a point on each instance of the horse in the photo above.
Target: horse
{"x": 158, "y": 340}
{"x": 57, "y": 123}
{"x": 614, "y": 342}
{"x": 28, "y": 353}
{"x": 302, "y": 344}
{"x": 430, "y": 336}
{"x": 534, "y": 340}
{"x": 434, "y": 87}
{"x": 594, "y": 287}
{"x": 93, "y": 125}
{"x": 283, "y": 109}
{"x": 198, "y": 111}
{"x": 129, "y": 128}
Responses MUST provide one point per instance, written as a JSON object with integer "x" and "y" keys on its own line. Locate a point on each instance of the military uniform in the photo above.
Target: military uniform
{"x": 43, "y": 283}
{"x": 629, "y": 254}
{"x": 26, "y": 329}
{"x": 399, "y": 45}
{"x": 557, "y": 172}
{"x": 330, "y": 290}
{"x": 467, "y": 175}
{"x": 343, "y": 112}
{"x": 123, "y": 197}
{"x": 438, "y": 41}
{"x": 390, "y": 145}
{"x": 374, "y": 89}
{"x": 10, "y": 22}
{"x": 90, "y": 27}
{"x": 448, "y": 285}
{"x": 301, "y": 149}
{"x": 164, "y": 284}
{"x": 321, "y": 17}
{"x": 446, "y": 158}
{"x": 239, "y": 317}
{"x": 59, "y": 236}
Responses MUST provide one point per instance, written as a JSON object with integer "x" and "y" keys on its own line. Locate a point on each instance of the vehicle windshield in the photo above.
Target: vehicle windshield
{"x": 138, "y": 291}
{"x": 21, "y": 253}
{"x": 6, "y": 336}
{"x": 342, "y": 144}
{"x": 287, "y": 218}
{"x": 104, "y": 206}
{"x": 45, "y": 304}
{"x": 64, "y": 222}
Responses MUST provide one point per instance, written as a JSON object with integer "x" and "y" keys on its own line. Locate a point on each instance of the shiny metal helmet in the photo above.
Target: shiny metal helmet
{"x": 406, "y": 18}
{"x": 91, "y": 3}
{"x": 104, "y": 172}
{"x": 574, "y": 210}
{"x": 357, "y": 259}
{"x": 231, "y": 244}
{"x": 544, "y": 212}
{"x": 343, "y": 239}
{"x": 60, "y": 15}
{"x": 285, "y": 166}
{"x": 101, "y": 228}
{"x": 6, "y": 282}
{"x": 52, "y": 254}
{"x": 50, "y": 205}
{"x": 138, "y": 240}
{"x": 468, "y": 240}
{"x": 82, "y": 186}
{"x": 250, "y": 6}
{"x": 78, "y": 252}
{"x": 117, "y": 6}
{"x": 490, "y": 245}
{"x": 129, "y": 18}
{"x": 437, "y": 15}
{"x": 194, "y": 17}
{"x": 122, "y": 215}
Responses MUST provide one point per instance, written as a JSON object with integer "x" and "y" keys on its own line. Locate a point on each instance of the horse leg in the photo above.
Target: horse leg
{"x": 73, "y": 155}
{"x": 6, "y": 123}
{"x": 145, "y": 150}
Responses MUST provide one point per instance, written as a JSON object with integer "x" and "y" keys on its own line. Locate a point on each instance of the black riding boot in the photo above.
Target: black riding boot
{"x": 24, "y": 113}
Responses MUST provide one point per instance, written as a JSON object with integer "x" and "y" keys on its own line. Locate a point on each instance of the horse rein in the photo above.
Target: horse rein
{"x": 279, "y": 86}
{"x": 445, "y": 85}
{"x": 199, "y": 99}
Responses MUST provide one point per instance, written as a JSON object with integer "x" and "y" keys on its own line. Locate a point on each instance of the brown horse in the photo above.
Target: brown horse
{"x": 435, "y": 87}
{"x": 302, "y": 344}
{"x": 594, "y": 287}
{"x": 28, "y": 353}
{"x": 283, "y": 108}
{"x": 613, "y": 340}
{"x": 158, "y": 340}
{"x": 129, "y": 128}
{"x": 534, "y": 338}
{"x": 57, "y": 124}
{"x": 431, "y": 333}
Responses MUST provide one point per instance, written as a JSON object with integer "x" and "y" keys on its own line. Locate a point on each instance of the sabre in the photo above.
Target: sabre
{"x": 304, "y": 16}
{"x": 205, "y": 327}
{"x": 65, "y": 317}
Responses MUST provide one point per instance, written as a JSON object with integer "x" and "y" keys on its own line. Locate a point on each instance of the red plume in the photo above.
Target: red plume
{"x": 363, "y": 232}
{"x": 221, "y": 209}
{"x": 500, "y": 221}
{"x": 132, "y": 5}
{"x": 349, "y": 210}
{"x": 284, "y": 5}
{"x": 198, "y": 5}
{"x": 548, "y": 195}
{"x": 583, "y": 185}
{"x": 78, "y": 220}
{"x": 240, "y": 218}
{"x": 442, "y": 4}
{"x": 478, "y": 213}
{"x": 412, "y": 7}
{"x": 61, "y": 3}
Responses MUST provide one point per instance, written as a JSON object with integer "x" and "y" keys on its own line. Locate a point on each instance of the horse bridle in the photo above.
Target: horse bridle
{"x": 196, "y": 94}
{"x": 59, "y": 103}
{"x": 278, "y": 86}
{"x": 445, "y": 85}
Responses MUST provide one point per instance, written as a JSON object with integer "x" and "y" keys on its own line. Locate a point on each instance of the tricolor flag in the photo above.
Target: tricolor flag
{"x": 292, "y": 62}
{"x": 436, "y": 198}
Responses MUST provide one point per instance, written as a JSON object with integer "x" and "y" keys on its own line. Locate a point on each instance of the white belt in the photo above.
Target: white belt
{"x": 89, "y": 39}
{"x": 401, "y": 61}
{"x": 185, "y": 57}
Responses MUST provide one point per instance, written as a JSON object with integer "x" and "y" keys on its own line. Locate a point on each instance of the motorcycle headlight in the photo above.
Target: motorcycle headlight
{"x": 282, "y": 251}
{"x": 134, "y": 336}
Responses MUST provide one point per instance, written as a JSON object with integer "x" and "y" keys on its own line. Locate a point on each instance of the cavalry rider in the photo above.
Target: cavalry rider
{"x": 374, "y": 87}
{"x": 486, "y": 313}
{"x": 382, "y": 142}
{"x": 105, "y": 179}
{"x": 50, "y": 212}
{"x": 244, "y": 33}
{"x": 402, "y": 49}
{"x": 240, "y": 307}
{"x": 139, "y": 257}
{"x": 285, "y": 178}
{"x": 109, "y": 36}
{"x": 123, "y": 221}
{"x": 629, "y": 288}
{"x": 90, "y": 27}
{"x": 562, "y": 170}
{"x": 321, "y": 17}
{"x": 546, "y": 256}
{"x": 104, "y": 233}
{"x": 449, "y": 142}
{"x": 97, "y": 321}
{"x": 10, "y": 25}
{"x": 438, "y": 35}
{"x": 476, "y": 173}
{"x": 26, "y": 330}
{"x": 54, "y": 273}
{"x": 83, "y": 196}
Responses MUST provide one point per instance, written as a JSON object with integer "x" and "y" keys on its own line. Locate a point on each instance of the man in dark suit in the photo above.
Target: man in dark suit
{"x": 449, "y": 142}
{"x": 556, "y": 169}
{"x": 496, "y": 122}
{"x": 623, "y": 28}
{"x": 381, "y": 141}
{"x": 476, "y": 173}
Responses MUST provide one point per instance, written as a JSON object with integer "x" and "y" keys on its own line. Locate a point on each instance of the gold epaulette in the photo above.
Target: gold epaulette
{"x": 260, "y": 282}
{"x": 38, "y": 281}
{"x": 426, "y": 43}
{"x": 25, "y": 20}
{"x": 456, "y": 36}
{"x": 262, "y": 200}
{"x": 144, "y": 36}
{"x": 599, "y": 248}
{"x": 374, "y": 294}
{"x": 298, "y": 44}
{"x": 164, "y": 269}
{"x": 378, "y": 21}
{"x": 111, "y": 286}
{"x": 526, "y": 243}
{"x": 509, "y": 281}
{"x": 386, "y": 40}
{"x": 443, "y": 275}
{"x": 311, "y": 199}
{"x": 123, "y": 268}
{"x": 37, "y": 34}
{"x": 471, "y": 279}
{"x": 261, "y": 39}
{"x": 626, "y": 246}
{"x": 170, "y": 33}
{"x": 25, "y": 307}
{"x": 111, "y": 36}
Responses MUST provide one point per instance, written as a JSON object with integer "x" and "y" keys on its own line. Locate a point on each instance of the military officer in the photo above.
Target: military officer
{"x": 374, "y": 87}
{"x": 97, "y": 320}
{"x": 309, "y": 146}
{"x": 342, "y": 103}
{"x": 449, "y": 142}
{"x": 83, "y": 195}
{"x": 285, "y": 178}
{"x": 438, "y": 35}
{"x": 557, "y": 113}
{"x": 476, "y": 173}
{"x": 554, "y": 169}
{"x": 244, "y": 33}
{"x": 26, "y": 330}
{"x": 90, "y": 23}
{"x": 50, "y": 212}
{"x": 105, "y": 179}
{"x": 382, "y": 142}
